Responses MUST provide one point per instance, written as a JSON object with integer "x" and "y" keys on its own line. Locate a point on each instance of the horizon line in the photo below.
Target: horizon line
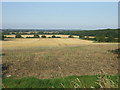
{"x": 55, "y": 29}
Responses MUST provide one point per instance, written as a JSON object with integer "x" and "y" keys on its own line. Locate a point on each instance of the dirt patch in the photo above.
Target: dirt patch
{"x": 61, "y": 61}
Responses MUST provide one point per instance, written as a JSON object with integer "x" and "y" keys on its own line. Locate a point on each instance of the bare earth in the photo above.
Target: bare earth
{"x": 48, "y": 58}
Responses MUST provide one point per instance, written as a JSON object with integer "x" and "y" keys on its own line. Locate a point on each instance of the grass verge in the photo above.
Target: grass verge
{"x": 87, "y": 81}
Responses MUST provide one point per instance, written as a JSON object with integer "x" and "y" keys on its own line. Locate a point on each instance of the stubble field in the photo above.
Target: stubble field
{"x": 58, "y": 57}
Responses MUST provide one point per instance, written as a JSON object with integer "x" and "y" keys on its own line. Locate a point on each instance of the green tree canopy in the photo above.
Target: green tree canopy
{"x": 100, "y": 38}
{"x": 53, "y": 36}
{"x": 70, "y": 36}
{"x": 43, "y": 36}
{"x": 36, "y": 36}
{"x": 18, "y": 36}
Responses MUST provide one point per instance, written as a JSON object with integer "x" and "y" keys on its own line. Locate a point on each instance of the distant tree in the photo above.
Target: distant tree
{"x": 29, "y": 37}
{"x": 118, "y": 39}
{"x": 87, "y": 37}
{"x": 2, "y": 37}
{"x": 58, "y": 37}
{"x": 18, "y": 36}
{"x": 70, "y": 36}
{"x": 53, "y": 36}
{"x": 13, "y": 32}
{"x": 100, "y": 38}
{"x": 110, "y": 39}
{"x": 82, "y": 37}
{"x": 36, "y": 36}
{"x": 43, "y": 36}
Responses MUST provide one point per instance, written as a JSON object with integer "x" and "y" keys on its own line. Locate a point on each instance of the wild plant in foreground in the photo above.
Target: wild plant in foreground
{"x": 74, "y": 84}
{"x": 104, "y": 81}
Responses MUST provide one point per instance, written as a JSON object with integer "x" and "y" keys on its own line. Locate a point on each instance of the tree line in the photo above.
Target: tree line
{"x": 35, "y": 36}
{"x": 105, "y": 32}
{"x": 101, "y": 38}
{"x": 96, "y": 38}
{"x": 106, "y": 35}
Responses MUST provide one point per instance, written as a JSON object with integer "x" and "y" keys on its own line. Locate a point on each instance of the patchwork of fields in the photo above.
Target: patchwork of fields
{"x": 58, "y": 57}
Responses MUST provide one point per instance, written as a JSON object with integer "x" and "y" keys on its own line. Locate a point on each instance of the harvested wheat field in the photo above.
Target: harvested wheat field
{"x": 58, "y": 57}
{"x": 50, "y": 42}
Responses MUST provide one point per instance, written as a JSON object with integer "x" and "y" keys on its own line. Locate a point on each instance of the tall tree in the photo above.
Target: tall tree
{"x": 18, "y": 36}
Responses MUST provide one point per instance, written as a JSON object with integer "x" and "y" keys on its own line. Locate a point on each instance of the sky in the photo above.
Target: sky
{"x": 59, "y": 15}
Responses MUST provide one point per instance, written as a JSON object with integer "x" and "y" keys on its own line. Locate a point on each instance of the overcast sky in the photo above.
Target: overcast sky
{"x": 66, "y": 15}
